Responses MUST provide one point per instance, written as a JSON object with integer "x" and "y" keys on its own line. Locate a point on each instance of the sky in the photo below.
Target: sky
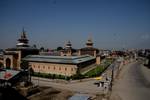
{"x": 51, "y": 23}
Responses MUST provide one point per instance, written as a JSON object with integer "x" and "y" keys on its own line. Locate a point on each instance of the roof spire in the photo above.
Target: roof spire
{"x": 68, "y": 44}
{"x": 23, "y": 35}
{"x": 89, "y": 42}
{"x": 23, "y": 41}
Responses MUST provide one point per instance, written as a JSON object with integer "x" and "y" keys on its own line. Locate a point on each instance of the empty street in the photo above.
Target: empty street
{"x": 133, "y": 83}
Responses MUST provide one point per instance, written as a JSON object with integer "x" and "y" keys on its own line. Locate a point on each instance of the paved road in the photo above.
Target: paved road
{"x": 133, "y": 83}
{"x": 81, "y": 87}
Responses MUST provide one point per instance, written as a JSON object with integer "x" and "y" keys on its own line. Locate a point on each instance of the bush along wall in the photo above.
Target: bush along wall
{"x": 50, "y": 76}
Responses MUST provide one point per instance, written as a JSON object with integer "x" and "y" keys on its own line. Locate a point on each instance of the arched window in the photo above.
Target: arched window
{"x": 59, "y": 68}
{"x": 65, "y": 69}
{"x": 8, "y": 62}
{"x": 71, "y": 69}
{"x": 33, "y": 66}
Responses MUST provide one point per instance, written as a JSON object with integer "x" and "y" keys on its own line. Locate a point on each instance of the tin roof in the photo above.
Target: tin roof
{"x": 59, "y": 59}
{"x": 7, "y": 74}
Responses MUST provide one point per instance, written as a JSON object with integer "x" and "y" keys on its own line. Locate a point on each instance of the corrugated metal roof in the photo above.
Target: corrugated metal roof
{"x": 12, "y": 73}
{"x": 58, "y": 59}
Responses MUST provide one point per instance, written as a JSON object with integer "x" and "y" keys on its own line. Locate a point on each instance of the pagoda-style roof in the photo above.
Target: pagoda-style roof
{"x": 89, "y": 43}
{"x": 89, "y": 46}
{"x": 68, "y": 45}
{"x": 23, "y": 41}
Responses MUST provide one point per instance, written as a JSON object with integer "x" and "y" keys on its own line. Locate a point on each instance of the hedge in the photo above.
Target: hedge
{"x": 51, "y": 76}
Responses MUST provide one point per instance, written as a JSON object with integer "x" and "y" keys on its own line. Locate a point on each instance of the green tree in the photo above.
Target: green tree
{"x": 1, "y": 65}
{"x": 59, "y": 48}
{"x": 24, "y": 65}
{"x": 26, "y": 69}
{"x": 34, "y": 46}
{"x": 42, "y": 49}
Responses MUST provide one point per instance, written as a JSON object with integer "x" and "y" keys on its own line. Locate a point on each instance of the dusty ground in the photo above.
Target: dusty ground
{"x": 48, "y": 93}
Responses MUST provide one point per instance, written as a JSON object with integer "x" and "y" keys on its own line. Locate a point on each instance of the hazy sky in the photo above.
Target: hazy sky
{"x": 50, "y": 23}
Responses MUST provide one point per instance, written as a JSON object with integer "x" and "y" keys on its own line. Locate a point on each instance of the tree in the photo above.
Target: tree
{"x": 42, "y": 49}
{"x": 26, "y": 70}
{"x": 24, "y": 65}
{"x": 59, "y": 48}
{"x": 1, "y": 65}
{"x": 34, "y": 46}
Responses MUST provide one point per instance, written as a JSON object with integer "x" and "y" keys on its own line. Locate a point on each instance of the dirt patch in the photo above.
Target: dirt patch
{"x": 48, "y": 93}
{"x": 115, "y": 97}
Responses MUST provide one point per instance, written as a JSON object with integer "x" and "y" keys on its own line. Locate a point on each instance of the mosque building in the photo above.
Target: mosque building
{"x": 89, "y": 49}
{"x": 69, "y": 62}
{"x": 13, "y": 56}
{"x": 66, "y": 64}
{"x": 68, "y": 50}
{"x": 60, "y": 65}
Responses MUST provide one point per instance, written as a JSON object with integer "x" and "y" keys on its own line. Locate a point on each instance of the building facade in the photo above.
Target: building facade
{"x": 1, "y": 60}
{"x": 68, "y": 50}
{"x": 88, "y": 49}
{"x": 61, "y": 65}
{"x": 12, "y": 56}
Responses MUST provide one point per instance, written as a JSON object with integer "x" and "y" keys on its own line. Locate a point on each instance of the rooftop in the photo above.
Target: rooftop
{"x": 59, "y": 59}
{"x": 89, "y": 48}
{"x": 6, "y": 74}
{"x": 21, "y": 48}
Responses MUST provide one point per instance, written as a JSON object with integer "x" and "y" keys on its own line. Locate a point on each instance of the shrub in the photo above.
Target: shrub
{"x": 77, "y": 76}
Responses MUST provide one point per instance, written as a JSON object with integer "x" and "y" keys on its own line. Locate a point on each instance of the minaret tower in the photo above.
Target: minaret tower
{"x": 68, "y": 45}
{"x": 89, "y": 43}
{"x": 67, "y": 50}
{"x": 23, "y": 41}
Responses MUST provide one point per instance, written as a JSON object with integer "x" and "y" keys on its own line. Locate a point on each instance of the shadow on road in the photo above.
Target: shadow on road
{"x": 9, "y": 93}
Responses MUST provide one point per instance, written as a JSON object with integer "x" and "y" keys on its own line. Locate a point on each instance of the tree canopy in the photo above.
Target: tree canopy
{"x": 24, "y": 65}
{"x": 59, "y": 48}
